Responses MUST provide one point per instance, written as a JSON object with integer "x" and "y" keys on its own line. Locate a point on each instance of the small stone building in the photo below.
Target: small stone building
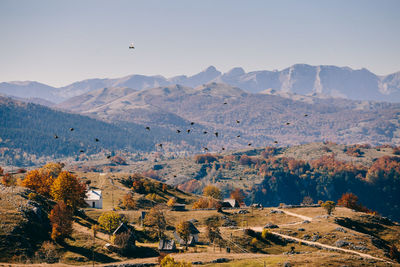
{"x": 166, "y": 245}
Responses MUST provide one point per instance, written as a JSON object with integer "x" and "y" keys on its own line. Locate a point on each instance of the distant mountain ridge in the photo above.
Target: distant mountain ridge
{"x": 323, "y": 80}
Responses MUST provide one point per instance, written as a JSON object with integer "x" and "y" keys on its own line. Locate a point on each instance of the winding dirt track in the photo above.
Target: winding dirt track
{"x": 317, "y": 244}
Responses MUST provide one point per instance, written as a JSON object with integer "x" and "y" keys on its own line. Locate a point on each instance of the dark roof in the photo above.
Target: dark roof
{"x": 193, "y": 229}
{"x": 122, "y": 228}
{"x": 166, "y": 244}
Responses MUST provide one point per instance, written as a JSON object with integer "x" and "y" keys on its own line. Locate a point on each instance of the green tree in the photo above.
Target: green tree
{"x": 329, "y": 206}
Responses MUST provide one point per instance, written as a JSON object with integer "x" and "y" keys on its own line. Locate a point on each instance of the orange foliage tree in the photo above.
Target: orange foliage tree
{"x": 69, "y": 189}
{"x": 238, "y": 195}
{"x": 39, "y": 182}
{"x": 61, "y": 221}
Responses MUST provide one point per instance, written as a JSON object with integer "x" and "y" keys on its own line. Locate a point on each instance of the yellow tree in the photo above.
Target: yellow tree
{"x": 69, "y": 189}
{"x": 212, "y": 191}
{"x": 110, "y": 221}
{"x": 171, "y": 202}
{"x": 155, "y": 219}
{"x": 183, "y": 230}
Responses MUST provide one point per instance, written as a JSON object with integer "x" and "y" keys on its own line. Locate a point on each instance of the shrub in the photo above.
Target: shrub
{"x": 32, "y": 196}
{"x": 110, "y": 220}
{"x": 47, "y": 253}
{"x": 329, "y": 206}
{"x": 205, "y": 158}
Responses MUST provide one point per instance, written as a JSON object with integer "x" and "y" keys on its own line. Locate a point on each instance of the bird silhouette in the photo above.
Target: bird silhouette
{"x": 288, "y": 123}
{"x": 148, "y": 128}
{"x": 160, "y": 145}
{"x": 108, "y": 156}
{"x": 249, "y": 144}
{"x": 96, "y": 139}
{"x": 237, "y": 121}
{"x": 305, "y": 115}
{"x": 174, "y": 176}
{"x": 188, "y": 131}
{"x": 206, "y": 149}
{"x": 216, "y": 134}
{"x": 81, "y": 150}
{"x": 192, "y": 123}
{"x": 205, "y": 132}
{"x": 225, "y": 103}
{"x": 56, "y": 136}
{"x": 223, "y": 148}
{"x": 238, "y": 135}
{"x": 71, "y": 129}
{"x": 178, "y": 131}
{"x": 275, "y": 142}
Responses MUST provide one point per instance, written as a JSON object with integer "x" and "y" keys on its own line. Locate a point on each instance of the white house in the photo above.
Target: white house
{"x": 94, "y": 198}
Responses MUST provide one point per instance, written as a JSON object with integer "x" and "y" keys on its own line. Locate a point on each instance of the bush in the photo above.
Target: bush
{"x": 47, "y": 253}
{"x": 110, "y": 220}
{"x": 32, "y": 196}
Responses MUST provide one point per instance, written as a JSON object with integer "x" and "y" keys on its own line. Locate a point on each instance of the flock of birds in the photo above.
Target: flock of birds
{"x": 178, "y": 131}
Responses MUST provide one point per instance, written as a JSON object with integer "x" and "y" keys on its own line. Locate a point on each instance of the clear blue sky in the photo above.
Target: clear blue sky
{"x": 59, "y": 42}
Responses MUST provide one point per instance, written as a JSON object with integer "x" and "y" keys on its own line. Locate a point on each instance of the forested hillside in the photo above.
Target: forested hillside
{"x": 32, "y": 129}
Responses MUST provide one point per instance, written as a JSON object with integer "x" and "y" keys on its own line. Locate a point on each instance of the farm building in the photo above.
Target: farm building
{"x": 166, "y": 245}
{"x": 230, "y": 203}
{"x": 193, "y": 238}
{"x": 94, "y": 199}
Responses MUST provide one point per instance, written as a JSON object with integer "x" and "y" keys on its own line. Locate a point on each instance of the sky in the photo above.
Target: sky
{"x": 60, "y": 42}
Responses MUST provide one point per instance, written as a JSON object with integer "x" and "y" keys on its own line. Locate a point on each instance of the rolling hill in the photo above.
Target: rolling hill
{"x": 263, "y": 117}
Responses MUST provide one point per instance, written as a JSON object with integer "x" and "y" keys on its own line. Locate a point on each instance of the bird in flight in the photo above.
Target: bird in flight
{"x": 81, "y": 150}
{"x": 160, "y": 145}
{"x": 237, "y": 121}
{"x": 225, "y": 103}
{"x": 249, "y": 144}
{"x": 56, "y": 136}
{"x": 108, "y": 156}
{"x": 205, "y": 148}
{"x": 216, "y": 134}
{"x": 305, "y": 115}
{"x": 223, "y": 148}
{"x": 131, "y": 46}
{"x": 178, "y": 131}
{"x": 288, "y": 123}
{"x": 192, "y": 123}
{"x": 275, "y": 142}
{"x": 238, "y": 136}
{"x": 205, "y": 132}
{"x": 188, "y": 131}
{"x": 96, "y": 139}
{"x": 148, "y": 128}
{"x": 71, "y": 129}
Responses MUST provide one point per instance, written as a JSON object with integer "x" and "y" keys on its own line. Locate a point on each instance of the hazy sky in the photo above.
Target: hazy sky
{"x": 59, "y": 42}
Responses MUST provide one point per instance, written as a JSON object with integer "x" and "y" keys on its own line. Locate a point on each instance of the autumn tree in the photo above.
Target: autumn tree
{"x": 238, "y": 195}
{"x": 349, "y": 200}
{"x": 61, "y": 221}
{"x": 212, "y": 228}
{"x": 212, "y": 191}
{"x": 39, "y": 182}
{"x": 52, "y": 169}
{"x": 329, "y": 206}
{"x": 110, "y": 221}
{"x": 69, "y": 189}
{"x": 8, "y": 180}
{"x": 171, "y": 202}
{"x": 128, "y": 202}
{"x": 183, "y": 230}
{"x": 155, "y": 219}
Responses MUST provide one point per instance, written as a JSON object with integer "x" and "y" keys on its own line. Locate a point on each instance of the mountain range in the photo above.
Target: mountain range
{"x": 323, "y": 80}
